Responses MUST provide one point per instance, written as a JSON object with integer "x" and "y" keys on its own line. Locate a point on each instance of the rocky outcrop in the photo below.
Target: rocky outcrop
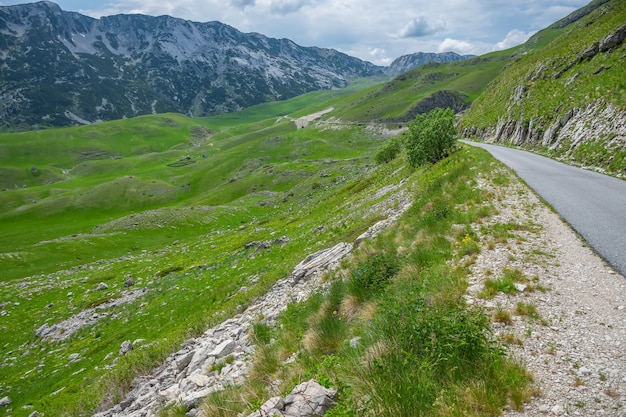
{"x": 600, "y": 123}
{"x": 88, "y": 317}
{"x": 613, "y": 40}
{"x": 222, "y": 355}
{"x": 308, "y": 399}
{"x": 607, "y": 45}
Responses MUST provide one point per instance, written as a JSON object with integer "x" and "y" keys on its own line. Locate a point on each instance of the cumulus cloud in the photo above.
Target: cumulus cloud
{"x": 420, "y": 26}
{"x": 463, "y": 46}
{"x": 459, "y": 46}
{"x": 513, "y": 38}
{"x": 288, "y": 6}
{"x": 242, "y": 4}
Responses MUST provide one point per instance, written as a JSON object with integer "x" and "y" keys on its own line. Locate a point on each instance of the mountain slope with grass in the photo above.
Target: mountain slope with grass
{"x": 447, "y": 85}
{"x": 161, "y": 208}
{"x": 124, "y": 239}
{"x": 565, "y": 93}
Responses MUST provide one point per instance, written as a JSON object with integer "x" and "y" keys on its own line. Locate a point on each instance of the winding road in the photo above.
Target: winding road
{"x": 593, "y": 204}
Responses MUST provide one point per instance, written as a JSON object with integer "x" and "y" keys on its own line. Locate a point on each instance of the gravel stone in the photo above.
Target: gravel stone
{"x": 575, "y": 350}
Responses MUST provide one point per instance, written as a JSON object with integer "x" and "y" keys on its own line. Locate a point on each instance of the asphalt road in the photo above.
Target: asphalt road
{"x": 593, "y": 204}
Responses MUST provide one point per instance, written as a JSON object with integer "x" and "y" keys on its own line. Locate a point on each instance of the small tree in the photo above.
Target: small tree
{"x": 431, "y": 137}
{"x": 388, "y": 151}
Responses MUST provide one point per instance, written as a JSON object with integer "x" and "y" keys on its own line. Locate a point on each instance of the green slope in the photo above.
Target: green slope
{"x": 453, "y": 84}
{"x": 171, "y": 202}
{"x": 559, "y": 72}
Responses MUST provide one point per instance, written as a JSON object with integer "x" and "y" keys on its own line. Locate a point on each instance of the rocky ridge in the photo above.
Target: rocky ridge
{"x": 408, "y": 62}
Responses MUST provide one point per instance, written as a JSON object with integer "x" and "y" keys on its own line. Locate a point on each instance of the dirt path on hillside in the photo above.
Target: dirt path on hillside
{"x": 302, "y": 122}
{"x": 574, "y": 345}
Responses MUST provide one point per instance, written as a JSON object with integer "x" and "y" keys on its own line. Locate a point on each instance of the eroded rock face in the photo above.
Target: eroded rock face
{"x": 186, "y": 376}
{"x": 308, "y": 399}
{"x": 599, "y": 122}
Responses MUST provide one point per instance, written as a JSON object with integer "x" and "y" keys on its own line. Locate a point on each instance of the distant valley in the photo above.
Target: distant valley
{"x": 61, "y": 68}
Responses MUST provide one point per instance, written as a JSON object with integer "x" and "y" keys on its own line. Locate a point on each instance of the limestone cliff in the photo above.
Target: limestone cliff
{"x": 564, "y": 92}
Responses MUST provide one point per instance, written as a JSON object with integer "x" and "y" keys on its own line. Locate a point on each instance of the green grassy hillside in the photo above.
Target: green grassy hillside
{"x": 453, "y": 84}
{"x": 160, "y": 209}
{"x": 169, "y": 202}
{"x": 558, "y": 73}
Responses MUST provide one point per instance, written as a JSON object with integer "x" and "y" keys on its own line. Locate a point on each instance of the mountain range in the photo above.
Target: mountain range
{"x": 63, "y": 68}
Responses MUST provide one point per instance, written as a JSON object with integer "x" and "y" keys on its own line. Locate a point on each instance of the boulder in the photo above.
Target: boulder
{"x": 45, "y": 330}
{"x": 183, "y": 361}
{"x": 126, "y": 347}
{"x": 223, "y": 349}
{"x": 199, "y": 379}
{"x": 614, "y": 40}
{"x": 308, "y": 399}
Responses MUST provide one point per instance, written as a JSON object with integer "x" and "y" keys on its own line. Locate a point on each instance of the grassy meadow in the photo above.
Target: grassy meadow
{"x": 393, "y": 334}
{"x": 169, "y": 203}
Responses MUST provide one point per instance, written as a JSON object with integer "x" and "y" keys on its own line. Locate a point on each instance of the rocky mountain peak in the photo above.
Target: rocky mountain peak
{"x": 408, "y": 62}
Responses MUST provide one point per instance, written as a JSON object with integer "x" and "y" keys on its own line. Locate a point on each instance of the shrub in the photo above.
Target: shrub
{"x": 373, "y": 276}
{"x": 431, "y": 137}
{"x": 426, "y": 348}
{"x": 388, "y": 151}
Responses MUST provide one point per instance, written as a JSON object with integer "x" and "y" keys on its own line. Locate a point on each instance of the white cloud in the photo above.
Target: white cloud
{"x": 419, "y": 27}
{"x": 459, "y": 46}
{"x": 513, "y": 38}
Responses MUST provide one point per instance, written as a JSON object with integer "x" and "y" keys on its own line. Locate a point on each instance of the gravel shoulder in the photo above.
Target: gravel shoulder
{"x": 574, "y": 345}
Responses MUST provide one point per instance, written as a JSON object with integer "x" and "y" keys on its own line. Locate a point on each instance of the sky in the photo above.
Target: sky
{"x": 377, "y": 31}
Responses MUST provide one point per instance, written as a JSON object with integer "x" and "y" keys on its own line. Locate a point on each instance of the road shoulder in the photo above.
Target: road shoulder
{"x": 567, "y": 321}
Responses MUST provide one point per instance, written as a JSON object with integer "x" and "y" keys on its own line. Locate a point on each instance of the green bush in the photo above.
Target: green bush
{"x": 373, "y": 276}
{"x": 431, "y": 137}
{"x": 428, "y": 348}
{"x": 389, "y": 151}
